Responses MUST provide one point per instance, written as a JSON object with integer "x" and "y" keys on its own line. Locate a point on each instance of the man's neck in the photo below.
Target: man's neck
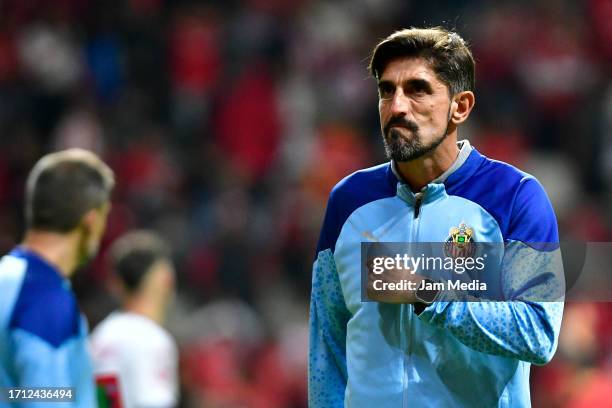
{"x": 420, "y": 172}
{"x": 145, "y": 306}
{"x": 60, "y": 250}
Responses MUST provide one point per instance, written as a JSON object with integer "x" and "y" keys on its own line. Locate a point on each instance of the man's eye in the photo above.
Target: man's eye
{"x": 385, "y": 92}
{"x": 419, "y": 90}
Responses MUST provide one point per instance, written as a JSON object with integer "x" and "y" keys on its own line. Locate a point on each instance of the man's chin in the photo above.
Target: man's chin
{"x": 404, "y": 159}
{"x": 404, "y": 153}
{"x": 400, "y": 151}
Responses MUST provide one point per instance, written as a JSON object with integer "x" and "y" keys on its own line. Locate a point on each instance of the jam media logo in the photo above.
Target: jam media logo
{"x": 460, "y": 242}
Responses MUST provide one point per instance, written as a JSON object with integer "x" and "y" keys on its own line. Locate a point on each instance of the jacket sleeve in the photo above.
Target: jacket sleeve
{"x": 49, "y": 344}
{"x": 526, "y": 324}
{"x": 40, "y": 364}
{"x": 327, "y": 372}
{"x": 525, "y": 331}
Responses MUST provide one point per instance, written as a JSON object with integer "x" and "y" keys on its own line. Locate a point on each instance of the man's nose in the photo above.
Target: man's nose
{"x": 399, "y": 104}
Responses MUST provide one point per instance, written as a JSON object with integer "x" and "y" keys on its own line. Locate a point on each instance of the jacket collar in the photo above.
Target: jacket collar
{"x": 464, "y": 152}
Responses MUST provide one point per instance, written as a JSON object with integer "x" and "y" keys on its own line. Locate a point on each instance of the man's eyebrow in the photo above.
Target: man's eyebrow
{"x": 417, "y": 83}
{"x": 385, "y": 82}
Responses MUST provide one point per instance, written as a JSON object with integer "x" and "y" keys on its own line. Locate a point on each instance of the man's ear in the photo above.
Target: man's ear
{"x": 93, "y": 217}
{"x": 116, "y": 286}
{"x": 88, "y": 221}
{"x": 462, "y": 105}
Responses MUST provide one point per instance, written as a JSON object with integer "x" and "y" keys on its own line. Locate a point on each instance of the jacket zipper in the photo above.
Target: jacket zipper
{"x": 403, "y": 309}
{"x": 418, "y": 200}
{"x": 408, "y": 309}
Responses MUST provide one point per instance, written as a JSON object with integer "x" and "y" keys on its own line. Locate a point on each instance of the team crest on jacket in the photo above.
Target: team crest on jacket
{"x": 460, "y": 242}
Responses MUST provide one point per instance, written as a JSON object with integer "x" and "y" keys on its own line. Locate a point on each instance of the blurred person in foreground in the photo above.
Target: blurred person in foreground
{"x": 411, "y": 347}
{"x": 130, "y": 346}
{"x": 43, "y": 335}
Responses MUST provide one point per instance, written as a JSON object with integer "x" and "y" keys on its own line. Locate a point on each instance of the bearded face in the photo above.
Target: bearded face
{"x": 414, "y": 108}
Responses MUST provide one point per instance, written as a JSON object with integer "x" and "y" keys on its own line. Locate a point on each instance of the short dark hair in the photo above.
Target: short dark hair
{"x": 447, "y": 53}
{"x": 63, "y": 186}
{"x": 133, "y": 255}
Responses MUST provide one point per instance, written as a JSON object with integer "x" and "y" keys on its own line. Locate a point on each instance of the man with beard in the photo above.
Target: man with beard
{"x": 413, "y": 347}
{"x": 43, "y": 336}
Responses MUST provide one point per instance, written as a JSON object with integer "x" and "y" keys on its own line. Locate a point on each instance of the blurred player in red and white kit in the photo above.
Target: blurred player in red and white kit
{"x": 130, "y": 346}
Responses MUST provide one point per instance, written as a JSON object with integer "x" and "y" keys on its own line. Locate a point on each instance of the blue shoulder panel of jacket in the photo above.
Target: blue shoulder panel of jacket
{"x": 45, "y": 306}
{"x": 354, "y": 191}
{"x": 514, "y": 198}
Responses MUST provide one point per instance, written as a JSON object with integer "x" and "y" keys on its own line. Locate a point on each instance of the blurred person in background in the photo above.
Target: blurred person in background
{"x": 43, "y": 336}
{"x": 409, "y": 347}
{"x": 131, "y": 348}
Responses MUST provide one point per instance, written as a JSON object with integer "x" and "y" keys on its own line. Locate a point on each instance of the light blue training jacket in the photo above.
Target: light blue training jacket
{"x": 453, "y": 354}
{"x": 43, "y": 335}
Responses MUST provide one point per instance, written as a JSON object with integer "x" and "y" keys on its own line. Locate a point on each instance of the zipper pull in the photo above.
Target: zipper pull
{"x": 418, "y": 199}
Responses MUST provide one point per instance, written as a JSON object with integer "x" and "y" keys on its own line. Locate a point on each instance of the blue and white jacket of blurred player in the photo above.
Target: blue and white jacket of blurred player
{"x": 452, "y": 354}
{"x": 43, "y": 335}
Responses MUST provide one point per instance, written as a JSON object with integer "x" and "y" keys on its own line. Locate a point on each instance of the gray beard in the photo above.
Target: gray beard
{"x": 400, "y": 149}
